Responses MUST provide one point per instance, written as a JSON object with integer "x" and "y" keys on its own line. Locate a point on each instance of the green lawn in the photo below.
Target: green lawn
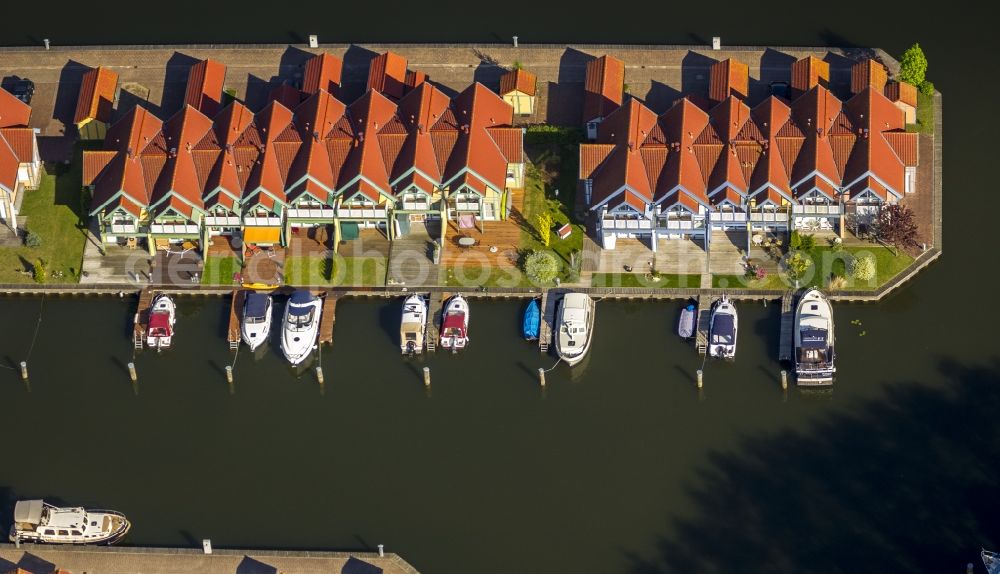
{"x": 662, "y": 280}
{"x": 54, "y": 213}
{"x": 828, "y": 263}
{"x": 553, "y": 156}
{"x": 925, "y": 115}
{"x": 475, "y": 275}
{"x": 219, "y": 270}
{"x": 338, "y": 270}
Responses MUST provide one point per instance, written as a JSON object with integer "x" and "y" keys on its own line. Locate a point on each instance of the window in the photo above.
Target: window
{"x": 911, "y": 180}
{"x": 63, "y": 533}
{"x": 77, "y": 533}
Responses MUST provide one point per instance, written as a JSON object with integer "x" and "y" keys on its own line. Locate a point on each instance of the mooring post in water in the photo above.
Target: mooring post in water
{"x": 229, "y": 374}
{"x": 131, "y": 372}
{"x": 319, "y": 374}
{"x": 701, "y": 381}
{"x": 24, "y": 370}
{"x": 541, "y": 376}
{"x": 427, "y": 376}
{"x": 784, "y": 380}
{"x": 381, "y": 551}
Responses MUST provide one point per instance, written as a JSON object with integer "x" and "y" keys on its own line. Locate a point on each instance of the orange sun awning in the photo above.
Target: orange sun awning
{"x": 262, "y": 235}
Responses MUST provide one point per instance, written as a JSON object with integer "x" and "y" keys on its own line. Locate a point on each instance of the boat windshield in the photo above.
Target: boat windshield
{"x": 453, "y": 332}
{"x": 300, "y": 322}
{"x": 723, "y": 330}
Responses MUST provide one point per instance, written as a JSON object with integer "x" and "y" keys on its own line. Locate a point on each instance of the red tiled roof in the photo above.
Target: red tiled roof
{"x": 477, "y": 109}
{"x": 901, "y": 92}
{"x": 729, "y": 78}
{"x": 519, "y": 80}
{"x": 810, "y": 72}
{"x": 97, "y": 96}
{"x": 510, "y": 140}
{"x": 94, "y": 162}
{"x": 591, "y": 157}
{"x": 232, "y": 123}
{"x": 323, "y": 72}
{"x": 206, "y": 80}
{"x": 387, "y": 74}
{"x": 604, "y": 87}
{"x": 8, "y": 167}
{"x": 286, "y": 95}
{"x": 868, "y": 73}
{"x": 21, "y": 141}
{"x": 364, "y": 160}
{"x": 414, "y": 79}
{"x": 872, "y": 154}
{"x": 13, "y": 112}
{"x": 905, "y": 144}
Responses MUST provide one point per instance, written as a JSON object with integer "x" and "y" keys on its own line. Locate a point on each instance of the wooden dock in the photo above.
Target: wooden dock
{"x": 142, "y": 317}
{"x": 328, "y": 318}
{"x": 434, "y": 303}
{"x": 235, "y": 315}
{"x": 548, "y": 306}
{"x": 704, "y": 318}
{"x": 787, "y": 319}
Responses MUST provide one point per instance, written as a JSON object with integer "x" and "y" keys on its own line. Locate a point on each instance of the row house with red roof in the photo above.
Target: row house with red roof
{"x": 812, "y": 163}
{"x": 20, "y": 164}
{"x": 304, "y": 161}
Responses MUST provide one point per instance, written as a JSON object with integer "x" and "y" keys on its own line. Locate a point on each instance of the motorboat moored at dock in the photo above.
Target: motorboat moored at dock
{"x": 813, "y": 340}
{"x": 160, "y": 326}
{"x": 722, "y": 330}
{"x": 256, "y": 324}
{"x": 38, "y": 521}
{"x": 455, "y": 323}
{"x": 574, "y": 327}
{"x": 300, "y": 326}
{"x": 413, "y": 325}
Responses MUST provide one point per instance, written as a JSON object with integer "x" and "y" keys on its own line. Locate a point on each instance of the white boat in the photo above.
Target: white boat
{"x": 455, "y": 324}
{"x": 574, "y": 327}
{"x": 300, "y": 326}
{"x": 37, "y": 521}
{"x": 722, "y": 330}
{"x": 256, "y": 324}
{"x": 814, "y": 349}
{"x": 160, "y": 326}
{"x": 412, "y": 325}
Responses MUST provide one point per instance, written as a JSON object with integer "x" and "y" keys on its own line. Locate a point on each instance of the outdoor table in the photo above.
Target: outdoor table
{"x": 466, "y": 241}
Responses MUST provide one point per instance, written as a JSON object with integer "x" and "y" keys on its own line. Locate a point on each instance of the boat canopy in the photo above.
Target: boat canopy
{"x": 454, "y": 320}
{"x": 159, "y": 321}
{"x": 28, "y": 511}
{"x": 723, "y": 329}
{"x": 256, "y": 305}
{"x": 813, "y": 338}
{"x": 299, "y": 303}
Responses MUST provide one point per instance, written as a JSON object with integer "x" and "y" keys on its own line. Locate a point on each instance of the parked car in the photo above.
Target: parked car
{"x": 23, "y": 90}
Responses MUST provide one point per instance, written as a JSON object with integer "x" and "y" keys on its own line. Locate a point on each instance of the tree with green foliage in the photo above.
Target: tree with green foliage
{"x": 544, "y": 222}
{"x": 913, "y": 66}
{"x": 541, "y": 267}
{"x": 795, "y": 241}
{"x": 808, "y": 241}
{"x": 40, "y": 272}
{"x": 927, "y": 88}
{"x": 863, "y": 267}
{"x": 797, "y": 264}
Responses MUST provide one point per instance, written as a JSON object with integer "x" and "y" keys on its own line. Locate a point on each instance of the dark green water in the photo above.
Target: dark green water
{"x": 624, "y": 469}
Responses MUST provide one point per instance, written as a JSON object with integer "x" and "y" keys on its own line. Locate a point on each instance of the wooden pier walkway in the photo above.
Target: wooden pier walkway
{"x": 434, "y": 307}
{"x": 235, "y": 316}
{"x": 704, "y": 318}
{"x": 787, "y": 319}
{"x": 548, "y": 305}
{"x": 142, "y": 317}
{"x": 328, "y": 318}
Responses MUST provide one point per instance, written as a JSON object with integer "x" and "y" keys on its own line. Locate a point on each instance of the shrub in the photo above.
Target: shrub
{"x": 40, "y": 272}
{"x": 755, "y": 272}
{"x": 797, "y": 264}
{"x": 541, "y": 267}
{"x": 913, "y": 65}
{"x": 544, "y": 222}
{"x": 808, "y": 241}
{"x": 863, "y": 267}
{"x": 795, "y": 241}
{"x": 927, "y": 88}
{"x": 32, "y": 240}
{"x": 516, "y": 65}
{"x": 837, "y": 283}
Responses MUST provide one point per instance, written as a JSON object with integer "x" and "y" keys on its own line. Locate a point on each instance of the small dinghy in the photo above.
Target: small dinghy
{"x": 256, "y": 319}
{"x": 575, "y": 327}
{"x": 300, "y": 327}
{"x": 688, "y": 321}
{"x": 455, "y": 324}
{"x": 412, "y": 325}
{"x": 532, "y": 321}
{"x": 160, "y": 330}
{"x": 722, "y": 330}
{"x": 38, "y": 521}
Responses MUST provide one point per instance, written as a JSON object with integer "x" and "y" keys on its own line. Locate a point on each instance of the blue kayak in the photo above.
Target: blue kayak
{"x": 532, "y": 320}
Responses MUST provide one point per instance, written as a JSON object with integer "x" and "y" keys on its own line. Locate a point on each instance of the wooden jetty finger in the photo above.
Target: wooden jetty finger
{"x": 328, "y": 318}
{"x": 787, "y": 320}
{"x": 704, "y": 319}
{"x": 235, "y": 316}
{"x": 142, "y": 317}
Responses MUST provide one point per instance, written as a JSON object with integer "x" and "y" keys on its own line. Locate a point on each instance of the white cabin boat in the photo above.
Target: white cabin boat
{"x": 574, "y": 327}
{"x": 37, "y": 521}
{"x": 412, "y": 325}
{"x": 722, "y": 330}
{"x": 160, "y": 326}
{"x": 256, "y": 325}
{"x": 455, "y": 324}
{"x": 814, "y": 349}
{"x": 300, "y": 326}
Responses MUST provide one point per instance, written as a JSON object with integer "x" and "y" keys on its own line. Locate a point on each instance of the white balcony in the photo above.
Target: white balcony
{"x": 680, "y": 224}
{"x": 626, "y": 224}
{"x": 222, "y": 221}
{"x": 466, "y": 206}
{"x": 173, "y": 229}
{"x": 769, "y": 217}
{"x": 816, "y": 209}
{"x": 729, "y": 216}
{"x": 311, "y": 213}
{"x": 261, "y": 221}
{"x": 118, "y": 228}
{"x": 416, "y": 205}
{"x": 361, "y": 213}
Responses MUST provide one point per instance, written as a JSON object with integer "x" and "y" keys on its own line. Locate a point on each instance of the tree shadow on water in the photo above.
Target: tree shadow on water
{"x": 904, "y": 483}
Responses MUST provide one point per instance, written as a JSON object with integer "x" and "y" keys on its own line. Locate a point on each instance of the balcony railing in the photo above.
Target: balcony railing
{"x": 222, "y": 221}
{"x": 261, "y": 221}
{"x": 117, "y": 228}
{"x": 627, "y": 224}
{"x": 466, "y": 205}
{"x": 680, "y": 224}
{"x": 311, "y": 213}
{"x": 361, "y": 213}
{"x": 416, "y": 205}
{"x": 816, "y": 209}
{"x": 728, "y": 216}
{"x": 769, "y": 216}
{"x": 174, "y": 229}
